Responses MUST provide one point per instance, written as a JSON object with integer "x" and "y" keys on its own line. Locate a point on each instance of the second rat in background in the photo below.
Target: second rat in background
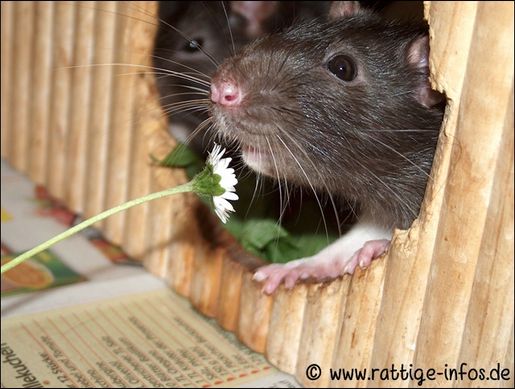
{"x": 342, "y": 106}
{"x": 193, "y": 36}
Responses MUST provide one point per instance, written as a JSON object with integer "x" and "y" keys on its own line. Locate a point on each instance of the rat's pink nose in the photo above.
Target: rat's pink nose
{"x": 225, "y": 93}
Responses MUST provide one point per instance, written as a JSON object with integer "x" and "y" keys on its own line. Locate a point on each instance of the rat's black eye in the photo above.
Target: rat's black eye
{"x": 193, "y": 45}
{"x": 342, "y": 67}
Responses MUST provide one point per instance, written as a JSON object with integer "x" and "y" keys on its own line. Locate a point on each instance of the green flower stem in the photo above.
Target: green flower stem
{"x": 188, "y": 187}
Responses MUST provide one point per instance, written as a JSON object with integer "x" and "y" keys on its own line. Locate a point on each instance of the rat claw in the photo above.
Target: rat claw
{"x": 351, "y": 265}
{"x": 291, "y": 279}
{"x": 259, "y": 276}
{"x": 274, "y": 279}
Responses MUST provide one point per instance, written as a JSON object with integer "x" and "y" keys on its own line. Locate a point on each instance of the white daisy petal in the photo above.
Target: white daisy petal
{"x": 228, "y": 181}
{"x": 230, "y": 196}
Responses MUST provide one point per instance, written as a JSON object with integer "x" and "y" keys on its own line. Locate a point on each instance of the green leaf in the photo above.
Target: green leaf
{"x": 268, "y": 240}
{"x": 183, "y": 157}
{"x": 310, "y": 244}
{"x": 282, "y": 250}
{"x": 180, "y": 156}
{"x": 260, "y": 233}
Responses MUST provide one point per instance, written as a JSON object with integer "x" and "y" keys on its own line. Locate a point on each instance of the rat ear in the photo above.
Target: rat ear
{"x": 341, "y": 9}
{"x": 417, "y": 56}
{"x": 255, "y": 13}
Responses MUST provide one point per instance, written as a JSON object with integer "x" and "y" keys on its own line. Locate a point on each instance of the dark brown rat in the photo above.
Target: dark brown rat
{"x": 193, "y": 37}
{"x": 344, "y": 106}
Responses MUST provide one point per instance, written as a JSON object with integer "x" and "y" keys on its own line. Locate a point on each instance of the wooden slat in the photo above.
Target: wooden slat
{"x": 451, "y": 27}
{"x": 160, "y": 224}
{"x": 286, "y": 322}
{"x": 255, "y": 313}
{"x": 80, "y": 105}
{"x": 135, "y": 234}
{"x": 359, "y": 313}
{"x": 490, "y": 312}
{"x": 7, "y": 39}
{"x": 42, "y": 75}
{"x": 21, "y": 87}
{"x": 206, "y": 281}
{"x": 230, "y": 292}
{"x": 122, "y": 121}
{"x": 150, "y": 139}
{"x": 468, "y": 194}
{"x": 63, "y": 33}
{"x": 180, "y": 267}
{"x": 320, "y": 325}
{"x": 100, "y": 117}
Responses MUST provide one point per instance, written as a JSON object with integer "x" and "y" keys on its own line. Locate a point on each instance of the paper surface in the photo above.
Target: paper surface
{"x": 44, "y": 270}
{"x": 150, "y": 339}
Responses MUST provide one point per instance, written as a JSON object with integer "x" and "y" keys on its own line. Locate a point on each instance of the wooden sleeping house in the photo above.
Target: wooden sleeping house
{"x": 444, "y": 294}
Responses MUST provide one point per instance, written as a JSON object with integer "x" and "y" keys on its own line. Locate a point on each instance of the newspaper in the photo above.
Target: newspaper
{"x": 151, "y": 338}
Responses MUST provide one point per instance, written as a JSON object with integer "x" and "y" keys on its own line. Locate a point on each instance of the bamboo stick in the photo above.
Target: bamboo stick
{"x": 490, "y": 311}
{"x": 286, "y": 323}
{"x": 230, "y": 291}
{"x": 80, "y": 105}
{"x": 100, "y": 117}
{"x": 41, "y": 94}
{"x": 21, "y": 87}
{"x": 122, "y": 121}
{"x": 255, "y": 313}
{"x": 181, "y": 267}
{"x": 206, "y": 280}
{"x": 358, "y": 317}
{"x": 7, "y": 38}
{"x": 64, "y": 24}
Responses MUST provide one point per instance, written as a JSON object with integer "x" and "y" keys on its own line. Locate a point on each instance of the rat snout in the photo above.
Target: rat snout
{"x": 226, "y": 93}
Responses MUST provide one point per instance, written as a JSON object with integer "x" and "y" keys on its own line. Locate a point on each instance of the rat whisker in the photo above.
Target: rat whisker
{"x": 229, "y": 26}
{"x": 203, "y": 102}
{"x": 281, "y": 209}
{"x": 186, "y": 66}
{"x": 207, "y": 133}
{"x": 206, "y": 92}
{"x": 402, "y": 201}
{"x": 309, "y": 183}
{"x": 165, "y": 71}
{"x": 254, "y": 193}
{"x": 182, "y": 94}
{"x": 322, "y": 180}
{"x": 405, "y": 158}
{"x": 198, "y": 129}
{"x": 182, "y": 109}
{"x": 180, "y": 105}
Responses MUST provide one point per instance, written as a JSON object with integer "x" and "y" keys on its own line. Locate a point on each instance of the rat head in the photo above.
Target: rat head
{"x": 194, "y": 36}
{"x": 342, "y": 105}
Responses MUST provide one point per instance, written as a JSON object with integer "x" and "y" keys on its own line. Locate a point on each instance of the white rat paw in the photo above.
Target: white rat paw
{"x": 320, "y": 267}
{"x": 371, "y": 250}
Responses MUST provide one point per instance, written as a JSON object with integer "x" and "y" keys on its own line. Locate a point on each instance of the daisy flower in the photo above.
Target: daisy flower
{"x": 223, "y": 183}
